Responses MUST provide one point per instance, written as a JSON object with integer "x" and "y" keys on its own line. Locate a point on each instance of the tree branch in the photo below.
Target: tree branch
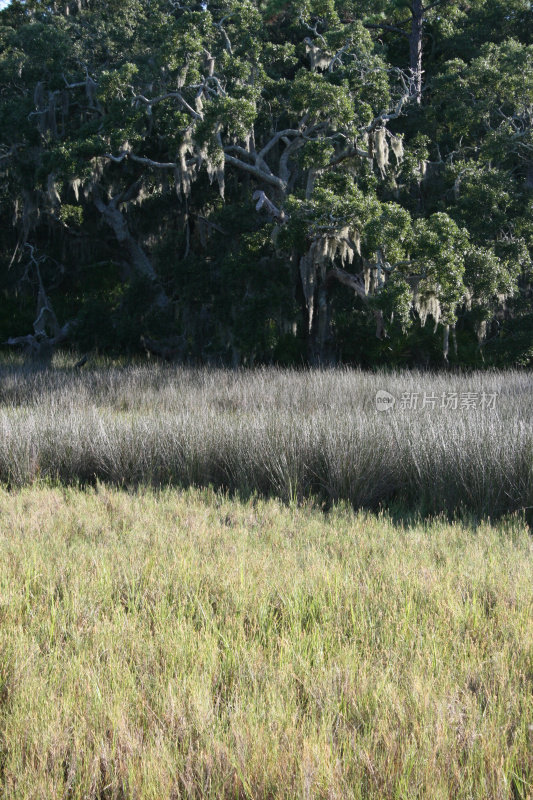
{"x": 275, "y": 139}
{"x": 349, "y": 153}
{"x": 12, "y": 150}
{"x": 256, "y": 157}
{"x": 262, "y": 200}
{"x": 255, "y": 170}
{"x": 140, "y": 159}
{"x": 242, "y": 151}
{"x": 387, "y": 28}
{"x": 432, "y": 5}
{"x": 224, "y": 34}
{"x": 356, "y": 283}
{"x": 348, "y": 279}
{"x": 177, "y": 95}
{"x": 284, "y": 160}
{"x": 313, "y": 30}
{"x": 386, "y": 116}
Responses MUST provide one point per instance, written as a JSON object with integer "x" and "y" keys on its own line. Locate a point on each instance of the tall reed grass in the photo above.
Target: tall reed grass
{"x": 277, "y": 432}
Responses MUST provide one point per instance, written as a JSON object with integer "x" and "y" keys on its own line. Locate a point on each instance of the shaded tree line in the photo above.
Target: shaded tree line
{"x": 317, "y": 182}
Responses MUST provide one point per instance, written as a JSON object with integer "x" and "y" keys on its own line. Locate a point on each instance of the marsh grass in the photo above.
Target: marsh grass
{"x": 275, "y": 432}
{"x": 184, "y": 645}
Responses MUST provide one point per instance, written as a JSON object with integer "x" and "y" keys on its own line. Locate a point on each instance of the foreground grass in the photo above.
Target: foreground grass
{"x": 180, "y": 644}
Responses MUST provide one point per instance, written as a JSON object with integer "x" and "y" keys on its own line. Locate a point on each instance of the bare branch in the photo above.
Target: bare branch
{"x": 275, "y": 139}
{"x": 12, "y": 151}
{"x": 115, "y": 219}
{"x": 263, "y": 201}
{"x": 357, "y": 284}
{"x": 242, "y": 151}
{"x": 348, "y": 279}
{"x": 219, "y": 90}
{"x": 257, "y": 171}
{"x": 175, "y": 94}
{"x": 40, "y": 343}
{"x": 291, "y": 148}
{"x": 211, "y": 224}
{"x": 350, "y": 152}
{"x": 386, "y": 116}
{"x": 140, "y": 159}
{"x": 337, "y": 56}
{"x": 309, "y": 28}
{"x": 77, "y": 85}
{"x": 388, "y": 28}
{"x": 219, "y": 25}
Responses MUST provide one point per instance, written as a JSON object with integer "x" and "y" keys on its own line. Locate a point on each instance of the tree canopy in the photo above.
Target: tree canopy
{"x": 242, "y": 182}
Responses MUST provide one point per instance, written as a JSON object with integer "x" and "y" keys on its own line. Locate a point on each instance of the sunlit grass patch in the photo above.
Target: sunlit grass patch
{"x": 182, "y": 644}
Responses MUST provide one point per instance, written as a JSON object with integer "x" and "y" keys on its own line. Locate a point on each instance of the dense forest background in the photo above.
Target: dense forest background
{"x": 319, "y": 181}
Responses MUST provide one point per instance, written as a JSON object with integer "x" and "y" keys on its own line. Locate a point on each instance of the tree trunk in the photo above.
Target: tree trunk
{"x": 136, "y": 256}
{"x": 446, "y": 342}
{"x": 529, "y": 175}
{"x": 415, "y": 47}
{"x": 319, "y": 355}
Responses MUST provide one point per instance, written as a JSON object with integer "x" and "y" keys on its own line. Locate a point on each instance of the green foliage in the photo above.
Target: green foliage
{"x": 389, "y": 230}
{"x": 440, "y": 248}
{"x": 313, "y": 94}
{"x": 71, "y": 215}
{"x": 395, "y": 301}
{"x": 113, "y": 85}
{"x": 244, "y": 166}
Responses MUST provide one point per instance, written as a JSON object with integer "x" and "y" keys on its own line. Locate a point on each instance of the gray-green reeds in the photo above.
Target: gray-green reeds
{"x": 277, "y": 432}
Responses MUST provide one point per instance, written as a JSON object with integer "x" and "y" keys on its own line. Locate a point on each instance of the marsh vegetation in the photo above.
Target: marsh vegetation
{"x": 286, "y": 433}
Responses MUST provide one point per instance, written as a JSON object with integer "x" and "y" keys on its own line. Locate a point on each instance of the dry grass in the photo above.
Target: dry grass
{"x": 179, "y": 644}
{"x": 275, "y": 432}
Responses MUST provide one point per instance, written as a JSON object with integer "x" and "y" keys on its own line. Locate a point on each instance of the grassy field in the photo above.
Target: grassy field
{"x": 453, "y": 443}
{"x": 181, "y": 644}
{"x": 163, "y": 638}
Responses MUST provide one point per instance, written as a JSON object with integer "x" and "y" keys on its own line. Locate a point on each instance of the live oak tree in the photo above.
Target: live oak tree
{"x": 221, "y": 171}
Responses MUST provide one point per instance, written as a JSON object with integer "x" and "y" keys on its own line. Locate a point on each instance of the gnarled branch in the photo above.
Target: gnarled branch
{"x": 257, "y": 171}
{"x": 140, "y": 98}
{"x": 140, "y": 160}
